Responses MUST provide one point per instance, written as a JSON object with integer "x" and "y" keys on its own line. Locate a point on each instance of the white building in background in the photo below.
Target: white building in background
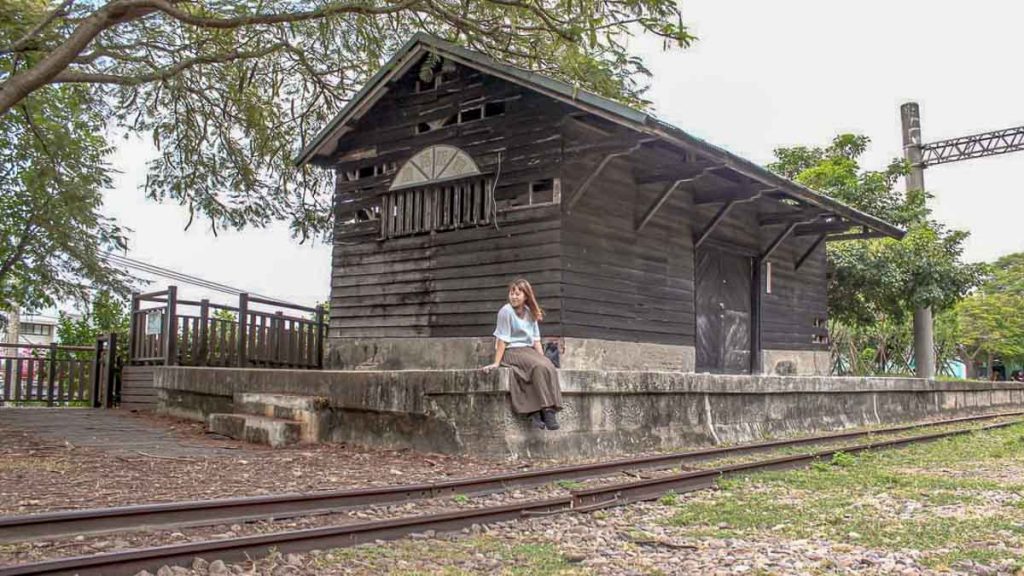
{"x": 37, "y": 329}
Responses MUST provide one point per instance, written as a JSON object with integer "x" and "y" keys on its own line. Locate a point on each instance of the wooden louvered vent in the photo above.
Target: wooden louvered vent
{"x": 458, "y": 204}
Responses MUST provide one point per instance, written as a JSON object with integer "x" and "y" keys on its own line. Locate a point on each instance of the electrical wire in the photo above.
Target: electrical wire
{"x": 182, "y": 277}
{"x": 171, "y": 274}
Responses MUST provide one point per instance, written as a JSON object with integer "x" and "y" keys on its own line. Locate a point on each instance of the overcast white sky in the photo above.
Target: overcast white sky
{"x": 762, "y": 75}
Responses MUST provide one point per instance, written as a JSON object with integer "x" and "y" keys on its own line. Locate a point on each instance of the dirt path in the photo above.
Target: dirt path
{"x": 59, "y": 459}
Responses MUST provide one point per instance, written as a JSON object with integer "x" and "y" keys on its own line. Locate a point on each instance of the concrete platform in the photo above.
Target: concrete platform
{"x": 606, "y": 412}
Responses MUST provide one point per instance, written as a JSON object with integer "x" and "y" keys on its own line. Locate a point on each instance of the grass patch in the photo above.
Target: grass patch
{"x": 866, "y": 500}
{"x": 34, "y": 463}
{"x": 412, "y": 558}
{"x": 569, "y": 484}
{"x": 533, "y": 559}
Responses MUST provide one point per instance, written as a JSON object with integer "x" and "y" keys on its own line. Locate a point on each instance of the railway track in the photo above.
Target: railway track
{"x": 240, "y": 548}
{"x": 282, "y": 506}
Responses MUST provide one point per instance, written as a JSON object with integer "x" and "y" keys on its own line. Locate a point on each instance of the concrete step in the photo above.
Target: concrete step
{"x": 311, "y": 411}
{"x": 287, "y": 406}
{"x": 274, "y": 432}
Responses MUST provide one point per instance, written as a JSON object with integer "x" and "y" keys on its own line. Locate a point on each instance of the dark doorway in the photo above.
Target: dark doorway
{"x": 723, "y": 307}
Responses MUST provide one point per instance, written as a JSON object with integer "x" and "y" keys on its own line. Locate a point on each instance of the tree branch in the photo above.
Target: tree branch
{"x": 21, "y": 43}
{"x": 555, "y": 25}
{"x": 18, "y": 252}
{"x": 261, "y": 19}
{"x": 75, "y": 76}
{"x": 20, "y": 85}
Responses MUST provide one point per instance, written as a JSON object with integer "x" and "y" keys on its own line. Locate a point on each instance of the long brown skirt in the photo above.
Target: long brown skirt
{"x": 535, "y": 380}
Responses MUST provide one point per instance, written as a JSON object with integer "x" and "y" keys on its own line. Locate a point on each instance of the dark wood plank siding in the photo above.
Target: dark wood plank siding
{"x": 620, "y": 284}
{"x": 798, "y": 301}
{"x": 448, "y": 283}
{"x": 137, "y": 390}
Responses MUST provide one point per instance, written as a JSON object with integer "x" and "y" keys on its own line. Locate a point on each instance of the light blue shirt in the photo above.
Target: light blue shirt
{"x": 514, "y": 331}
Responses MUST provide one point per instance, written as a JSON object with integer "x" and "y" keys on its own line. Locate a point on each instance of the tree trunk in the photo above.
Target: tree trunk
{"x": 970, "y": 366}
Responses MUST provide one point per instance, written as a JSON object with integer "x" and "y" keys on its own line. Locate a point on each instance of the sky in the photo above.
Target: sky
{"x": 761, "y": 75}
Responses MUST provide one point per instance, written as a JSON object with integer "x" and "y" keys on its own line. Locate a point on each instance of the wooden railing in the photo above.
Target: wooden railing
{"x": 57, "y": 375}
{"x": 173, "y": 331}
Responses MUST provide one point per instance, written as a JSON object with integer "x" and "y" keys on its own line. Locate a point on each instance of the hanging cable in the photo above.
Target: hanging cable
{"x": 182, "y": 277}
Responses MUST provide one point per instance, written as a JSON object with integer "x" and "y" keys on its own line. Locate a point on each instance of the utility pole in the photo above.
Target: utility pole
{"x": 924, "y": 348}
{"x": 921, "y": 156}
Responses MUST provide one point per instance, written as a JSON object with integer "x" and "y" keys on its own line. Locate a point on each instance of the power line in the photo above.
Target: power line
{"x": 182, "y": 277}
{"x": 172, "y": 274}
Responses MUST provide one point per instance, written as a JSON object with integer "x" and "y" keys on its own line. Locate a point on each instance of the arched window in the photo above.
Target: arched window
{"x": 435, "y": 164}
{"x": 439, "y": 188}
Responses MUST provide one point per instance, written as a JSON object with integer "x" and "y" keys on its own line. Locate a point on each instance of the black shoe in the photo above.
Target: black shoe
{"x": 550, "y": 420}
{"x": 537, "y": 421}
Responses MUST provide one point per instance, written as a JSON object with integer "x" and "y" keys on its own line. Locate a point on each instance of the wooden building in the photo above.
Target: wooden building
{"x": 649, "y": 248}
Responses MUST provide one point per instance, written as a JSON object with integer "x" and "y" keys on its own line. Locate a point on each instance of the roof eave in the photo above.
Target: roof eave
{"x": 409, "y": 49}
{"x": 755, "y": 172}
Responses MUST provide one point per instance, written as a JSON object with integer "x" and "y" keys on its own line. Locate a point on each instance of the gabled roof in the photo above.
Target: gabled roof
{"x": 420, "y": 44}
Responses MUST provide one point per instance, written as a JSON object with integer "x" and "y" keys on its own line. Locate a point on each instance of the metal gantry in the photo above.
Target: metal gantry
{"x": 974, "y": 146}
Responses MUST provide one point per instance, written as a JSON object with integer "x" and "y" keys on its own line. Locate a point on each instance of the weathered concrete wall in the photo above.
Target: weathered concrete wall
{"x": 606, "y": 413}
{"x": 594, "y": 354}
{"x": 408, "y": 353}
{"x": 797, "y": 362}
{"x": 469, "y": 353}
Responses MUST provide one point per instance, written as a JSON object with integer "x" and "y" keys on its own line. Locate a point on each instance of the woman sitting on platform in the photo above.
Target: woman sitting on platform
{"x": 534, "y": 385}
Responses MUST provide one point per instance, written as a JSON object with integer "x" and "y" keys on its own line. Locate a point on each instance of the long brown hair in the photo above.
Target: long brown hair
{"x": 529, "y": 297}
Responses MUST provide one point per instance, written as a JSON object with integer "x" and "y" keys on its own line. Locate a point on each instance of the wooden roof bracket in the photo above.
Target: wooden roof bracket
{"x": 814, "y": 246}
{"x": 719, "y": 216}
{"x": 778, "y": 241}
{"x": 649, "y": 214}
{"x": 783, "y": 235}
{"x": 579, "y": 192}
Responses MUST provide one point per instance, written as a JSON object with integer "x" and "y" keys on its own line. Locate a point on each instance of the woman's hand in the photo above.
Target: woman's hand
{"x": 490, "y": 367}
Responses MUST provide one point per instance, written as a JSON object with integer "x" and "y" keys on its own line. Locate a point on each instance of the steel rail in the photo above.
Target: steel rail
{"x": 247, "y": 547}
{"x": 625, "y": 493}
{"x": 242, "y": 548}
{"x": 280, "y": 506}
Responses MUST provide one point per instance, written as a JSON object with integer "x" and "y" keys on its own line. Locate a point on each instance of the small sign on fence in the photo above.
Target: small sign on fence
{"x": 154, "y": 323}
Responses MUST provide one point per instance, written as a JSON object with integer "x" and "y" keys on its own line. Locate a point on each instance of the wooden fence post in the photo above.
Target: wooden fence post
{"x": 171, "y": 328}
{"x": 204, "y": 333}
{"x": 319, "y": 336}
{"x": 97, "y": 357}
{"x": 111, "y": 368}
{"x": 51, "y": 373}
{"x": 133, "y": 328}
{"x": 278, "y": 335}
{"x": 243, "y": 328}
